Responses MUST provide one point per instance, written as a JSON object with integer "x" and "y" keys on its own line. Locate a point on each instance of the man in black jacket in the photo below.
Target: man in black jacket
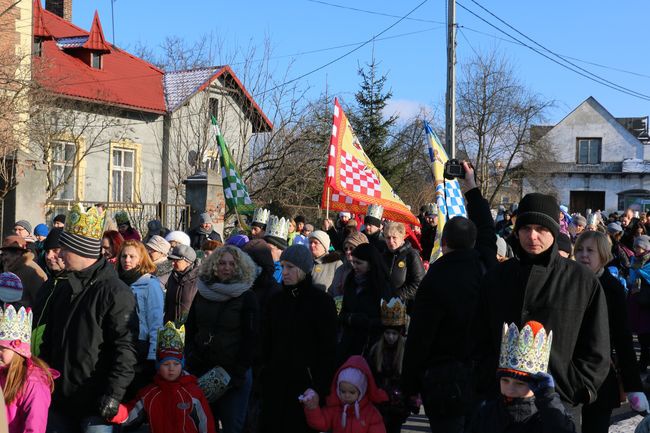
{"x": 91, "y": 332}
{"x": 561, "y": 294}
{"x": 436, "y": 359}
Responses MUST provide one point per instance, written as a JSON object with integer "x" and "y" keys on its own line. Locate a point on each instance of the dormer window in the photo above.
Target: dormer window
{"x": 95, "y": 60}
{"x": 37, "y": 46}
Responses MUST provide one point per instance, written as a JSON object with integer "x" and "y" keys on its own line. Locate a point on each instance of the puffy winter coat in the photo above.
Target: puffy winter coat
{"x": 90, "y": 339}
{"x": 330, "y": 418}
{"x": 31, "y": 275}
{"x": 28, "y": 412}
{"x": 149, "y": 295}
{"x": 541, "y": 414}
{"x": 164, "y": 269}
{"x": 181, "y": 289}
{"x": 567, "y": 299}
{"x": 172, "y": 407}
{"x": 406, "y": 271}
{"x": 324, "y": 269}
{"x": 197, "y": 237}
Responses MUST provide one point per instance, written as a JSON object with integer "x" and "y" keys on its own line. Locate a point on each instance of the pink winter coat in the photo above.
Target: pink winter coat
{"x": 329, "y": 418}
{"x": 28, "y": 412}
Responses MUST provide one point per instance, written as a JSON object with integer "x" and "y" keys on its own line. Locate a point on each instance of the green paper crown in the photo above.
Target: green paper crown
{"x": 85, "y": 223}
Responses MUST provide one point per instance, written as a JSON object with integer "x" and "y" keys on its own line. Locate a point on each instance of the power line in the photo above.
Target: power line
{"x": 382, "y": 14}
{"x": 599, "y": 81}
{"x": 347, "y": 53}
{"x": 556, "y": 54}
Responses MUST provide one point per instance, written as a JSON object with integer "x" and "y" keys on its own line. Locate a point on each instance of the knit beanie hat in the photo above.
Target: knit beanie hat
{"x": 60, "y": 218}
{"x": 53, "y": 239}
{"x": 158, "y": 243}
{"x": 11, "y": 288}
{"x": 614, "y": 228}
{"x": 178, "y": 236}
{"x": 321, "y": 237}
{"x": 355, "y": 377}
{"x": 24, "y": 224}
{"x": 83, "y": 231}
{"x": 238, "y": 240}
{"x": 154, "y": 226}
{"x": 642, "y": 241}
{"x": 41, "y": 230}
{"x": 541, "y": 209}
{"x": 355, "y": 239}
{"x": 364, "y": 252}
{"x": 205, "y": 218}
{"x": 300, "y": 256}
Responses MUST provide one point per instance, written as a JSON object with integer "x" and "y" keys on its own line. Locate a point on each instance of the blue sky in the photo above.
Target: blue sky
{"x": 599, "y": 32}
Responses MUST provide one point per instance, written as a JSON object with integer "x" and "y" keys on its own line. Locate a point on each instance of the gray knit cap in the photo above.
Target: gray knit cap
{"x": 300, "y": 256}
{"x": 642, "y": 241}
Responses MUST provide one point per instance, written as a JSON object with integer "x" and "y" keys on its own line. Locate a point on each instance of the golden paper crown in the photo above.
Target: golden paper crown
{"x": 278, "y": 228}
{"x": 171, "y": 338}
{"x": 85, "y": 223}
{"x": 261, "y": 216}
{"x": 527, "y": 351}
{"x": 393, "y": 312}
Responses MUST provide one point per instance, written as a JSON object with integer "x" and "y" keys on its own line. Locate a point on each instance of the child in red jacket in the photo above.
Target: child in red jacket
{"x": 174, "y": 402}
{"x": 349, "y": 407}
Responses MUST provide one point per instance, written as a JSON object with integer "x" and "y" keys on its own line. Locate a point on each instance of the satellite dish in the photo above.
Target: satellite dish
{"x": 191, "y": 158}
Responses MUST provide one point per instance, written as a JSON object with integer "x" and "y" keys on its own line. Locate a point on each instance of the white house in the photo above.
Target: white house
{"x": 595, "y": 160}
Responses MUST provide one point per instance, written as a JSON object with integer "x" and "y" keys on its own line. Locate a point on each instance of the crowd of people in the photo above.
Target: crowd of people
{"x": 524, "y": 324}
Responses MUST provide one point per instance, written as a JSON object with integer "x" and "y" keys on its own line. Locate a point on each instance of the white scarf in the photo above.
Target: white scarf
{"x": 220, "y": 292}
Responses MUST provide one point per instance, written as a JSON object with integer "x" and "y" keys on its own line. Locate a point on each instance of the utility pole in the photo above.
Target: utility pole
{"x": 450, "y": 109}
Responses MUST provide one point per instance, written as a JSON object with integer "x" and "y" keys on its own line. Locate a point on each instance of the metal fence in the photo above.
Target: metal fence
{"x": 172, "y": 216}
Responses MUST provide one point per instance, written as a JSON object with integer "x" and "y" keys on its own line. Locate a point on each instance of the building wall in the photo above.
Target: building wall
{"x": 590, "y": 121}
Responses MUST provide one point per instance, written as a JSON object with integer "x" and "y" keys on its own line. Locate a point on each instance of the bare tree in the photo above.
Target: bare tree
{"x": 495, "y": 113}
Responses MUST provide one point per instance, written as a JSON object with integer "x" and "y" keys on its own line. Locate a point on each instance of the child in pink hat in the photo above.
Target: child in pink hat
{"x": 350, "y": 405}
{"x": 26, "y": 380}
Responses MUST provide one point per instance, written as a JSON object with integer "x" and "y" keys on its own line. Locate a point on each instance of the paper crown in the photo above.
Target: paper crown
{"x": 375, "y": 211}
{"x": 393, "y": 312}
{"x": 592, "y": 219}
{"x": 16, "y": 329}
{"x": 171, "y": 342}
{"x": 85, "y": 223}
{"x": 527, "y": 351}
{"x": 121, "y": 217}
{"x": 261, "y": 216}
{"x": 431, "y": 209}
{"x": 278, "y": 228}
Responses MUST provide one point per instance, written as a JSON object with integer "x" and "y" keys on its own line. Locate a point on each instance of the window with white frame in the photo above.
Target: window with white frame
{"x": 122, "y": 174}
{"x": 62, "y": 173}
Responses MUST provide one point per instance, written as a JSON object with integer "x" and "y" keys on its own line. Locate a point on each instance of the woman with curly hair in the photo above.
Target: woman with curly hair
{"x": 223, "y": 329}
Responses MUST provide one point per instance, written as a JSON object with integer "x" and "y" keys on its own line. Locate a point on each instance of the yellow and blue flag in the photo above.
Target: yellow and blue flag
{"x": 449, "y": 197}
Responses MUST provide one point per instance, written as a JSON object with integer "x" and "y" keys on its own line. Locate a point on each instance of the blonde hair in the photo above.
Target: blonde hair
{"x": 17, "y": 376}
{"x": 603, "y": 245}
{"x": 394, "y": 227}
{"x": 146, "y": 265}
{"x": 245, "y": 269}
{"x": 378, "y": 354}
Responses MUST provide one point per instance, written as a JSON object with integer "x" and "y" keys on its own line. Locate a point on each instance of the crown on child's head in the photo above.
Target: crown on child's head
{"x": 393, "y": 312}
{"x": 527, "y": 351}
{"x": 171, "y": 342}
{"x": 16, "y": 330}
{"x": 261, "y": 216}
{"x": 278, "y": 228}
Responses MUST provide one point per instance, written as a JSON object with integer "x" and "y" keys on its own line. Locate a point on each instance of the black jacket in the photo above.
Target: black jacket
{"x": 90, "y": 338}
{"x": 299, "y": 349}
{"x": 566, "y": 298}
{"x": 427, "y": 240}
{"x": 360, "y": 318}
{"x": 377, "y": 240}
{"x": 541, "y": 414}
{"x": 447, "y": 299}
{"x": 405, "y": 270}
{"x": 621, "y": 344}
{"x": 197, "y": 237}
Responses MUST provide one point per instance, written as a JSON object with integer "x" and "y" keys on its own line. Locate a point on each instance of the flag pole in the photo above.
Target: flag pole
{"x": 327, "y": 208}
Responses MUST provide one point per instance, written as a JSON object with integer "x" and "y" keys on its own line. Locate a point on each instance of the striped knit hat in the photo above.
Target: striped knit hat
{"x": 83, "y": 231}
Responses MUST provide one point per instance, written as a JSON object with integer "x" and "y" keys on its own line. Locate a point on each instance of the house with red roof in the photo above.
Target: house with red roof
{"x": 116, "y": 129}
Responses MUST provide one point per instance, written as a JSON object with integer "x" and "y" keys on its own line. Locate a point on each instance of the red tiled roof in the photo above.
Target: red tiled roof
{"x": 124, "y": 80}
{"x": 38, "y": 26}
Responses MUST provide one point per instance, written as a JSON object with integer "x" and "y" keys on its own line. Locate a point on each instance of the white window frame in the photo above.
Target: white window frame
{"x": 121, "y": 169}
{"x": 60, "y": 165}
{"x": 590, "y": 142}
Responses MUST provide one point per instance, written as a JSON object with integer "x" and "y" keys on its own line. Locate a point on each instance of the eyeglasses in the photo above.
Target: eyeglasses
{"x": 348, "y": 249}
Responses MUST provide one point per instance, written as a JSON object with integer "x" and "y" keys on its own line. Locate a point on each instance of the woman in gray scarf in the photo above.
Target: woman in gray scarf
{"x": 222, "y": 330}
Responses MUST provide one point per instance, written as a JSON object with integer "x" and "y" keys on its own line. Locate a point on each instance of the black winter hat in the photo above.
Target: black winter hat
{"x": 53, "y": 239}
{"x": 541, "y": 209}
{"x": 564, "y": 243}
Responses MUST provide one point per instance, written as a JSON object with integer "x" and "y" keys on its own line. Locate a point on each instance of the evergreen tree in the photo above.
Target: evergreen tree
{"x": 371, "y": 127}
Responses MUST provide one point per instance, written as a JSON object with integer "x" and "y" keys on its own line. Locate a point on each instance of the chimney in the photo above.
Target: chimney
{"x": 62, "y": 8}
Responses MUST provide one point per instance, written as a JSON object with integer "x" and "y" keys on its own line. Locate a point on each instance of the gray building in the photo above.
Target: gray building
{"x": 594, "y": 160}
